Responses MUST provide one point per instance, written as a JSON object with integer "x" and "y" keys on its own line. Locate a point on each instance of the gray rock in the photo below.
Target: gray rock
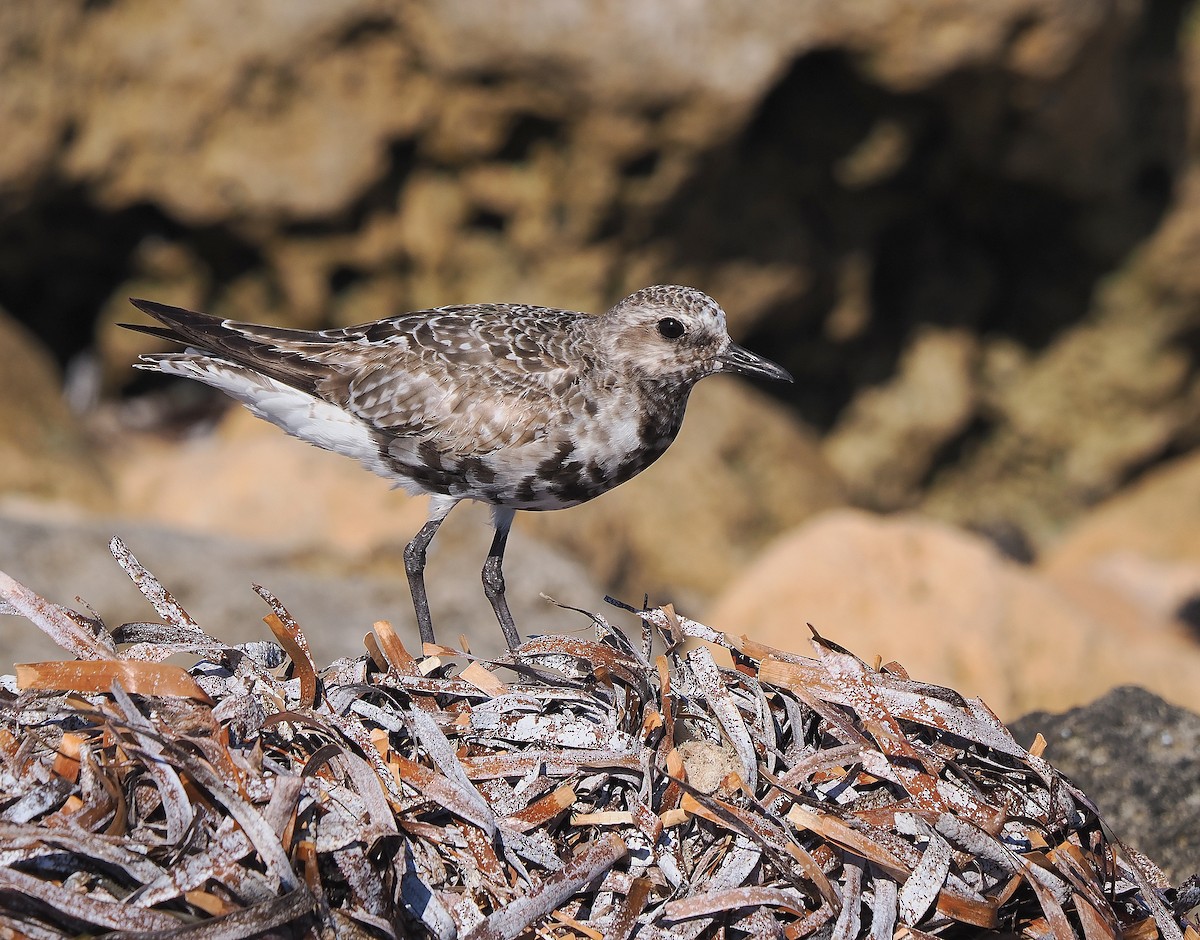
{"x": 1138, "y": 757}
{"x": 211, "y": 577}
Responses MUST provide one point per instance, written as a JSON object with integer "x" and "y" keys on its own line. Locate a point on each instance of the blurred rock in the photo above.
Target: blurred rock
{"x": 1103, "y": 400}
{"x": 299, "y": 102}
{"x": 43, "y": 449}
{"x": 63, "y": 557}
{"x": 247, "y": 479}
{"x": 1170, "y": 260}
{"x": 1136, "y": 556}
{"x": 169, "y": 273}
{"x": 889, "y": 437}
{"x": 304, "y": 130}
{"x": 1157, "y": 517}
{"x": 662, "y": 50}
{"x": 741, "y": 471}
{"x": 1138, "y": 758}
{"x": 951, "y": 610}
{"x": 211, "y": 107}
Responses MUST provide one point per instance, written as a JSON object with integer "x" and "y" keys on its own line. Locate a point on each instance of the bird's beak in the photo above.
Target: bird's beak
{"x": 742, "y": 361}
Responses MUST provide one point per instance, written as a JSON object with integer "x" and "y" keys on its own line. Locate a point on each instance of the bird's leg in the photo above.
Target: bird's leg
{"x": 414, "y": 566}
{"x": 493, "y": 576}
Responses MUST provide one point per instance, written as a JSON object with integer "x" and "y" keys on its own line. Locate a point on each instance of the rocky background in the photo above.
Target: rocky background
{"x": 972, "y": 232}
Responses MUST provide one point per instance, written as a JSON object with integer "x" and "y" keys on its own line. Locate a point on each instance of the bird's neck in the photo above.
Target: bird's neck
{"x": 666, "y": 400}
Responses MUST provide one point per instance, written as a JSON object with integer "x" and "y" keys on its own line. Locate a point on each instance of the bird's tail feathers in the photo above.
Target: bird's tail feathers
{"x": 235, "y": 344}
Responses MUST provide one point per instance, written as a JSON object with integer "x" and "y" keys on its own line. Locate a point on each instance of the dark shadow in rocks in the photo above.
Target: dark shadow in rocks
{"x": 62, "y": 256}
{"x": 947, "y": 231}
{"x": 525, "y": 133}
{"x": 1188, "y": 614}
{"x": 488, "y": 221}
{"x": 344, "y": 277}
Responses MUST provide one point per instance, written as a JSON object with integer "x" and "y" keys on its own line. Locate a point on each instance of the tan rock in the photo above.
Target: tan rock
{"x": 33, "y": 113}
{"x": 1137, "y": 555}
{"x": 233, "y": 127}
{"x": 1171, "y": 257}
{"x": 951, "y": 610}
{"x": 248, "y": 479}
{"x": 1104, "y": 398}
{"x": 741, "y": 471}
{"x": 887, "y": 439}
{"x": 44, "y": 452}
{"x": 1157, "y": 517}
{"x": 170, "y": 274}
{"x": 667, "y": 50}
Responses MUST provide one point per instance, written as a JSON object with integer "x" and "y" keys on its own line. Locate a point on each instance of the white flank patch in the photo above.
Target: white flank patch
{"x": 622, "y": 439}
{"x": 297, "y": 413}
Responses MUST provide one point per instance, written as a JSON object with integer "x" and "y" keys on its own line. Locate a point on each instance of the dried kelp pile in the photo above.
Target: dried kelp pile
{"x": 580, "y": 788}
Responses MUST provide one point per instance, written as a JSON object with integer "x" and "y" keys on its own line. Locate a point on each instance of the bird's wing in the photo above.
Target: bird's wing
{"x": 469, "y": 379}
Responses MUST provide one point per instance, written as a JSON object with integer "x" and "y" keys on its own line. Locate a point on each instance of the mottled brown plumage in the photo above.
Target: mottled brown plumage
{"x": 515, "y": 406}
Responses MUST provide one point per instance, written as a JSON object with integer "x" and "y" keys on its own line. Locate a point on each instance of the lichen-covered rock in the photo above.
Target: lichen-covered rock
{"x": 1137, "y": 757}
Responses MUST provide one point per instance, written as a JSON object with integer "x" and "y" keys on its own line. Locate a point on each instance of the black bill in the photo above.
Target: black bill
{"x": 742, "y": 361}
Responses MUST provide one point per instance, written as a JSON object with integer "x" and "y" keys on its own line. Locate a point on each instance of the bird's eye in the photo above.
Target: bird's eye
{"x": 670, "y": 328}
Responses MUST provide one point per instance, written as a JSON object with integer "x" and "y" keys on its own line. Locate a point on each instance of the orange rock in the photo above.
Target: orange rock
{"x": 1136, "y": 557}
{"x": 1157, "y": 517}
{"x": 248, "y": 480}
{"x": 952, "y": 610}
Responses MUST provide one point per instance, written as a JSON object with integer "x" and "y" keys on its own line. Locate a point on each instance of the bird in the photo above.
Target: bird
{"x": 519, "y": 407}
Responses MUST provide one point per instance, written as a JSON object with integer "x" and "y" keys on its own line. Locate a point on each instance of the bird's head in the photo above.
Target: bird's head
{"x": 677, "y": 334}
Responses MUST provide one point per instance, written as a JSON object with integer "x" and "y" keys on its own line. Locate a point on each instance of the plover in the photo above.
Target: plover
{"x": 515, "y": 406}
